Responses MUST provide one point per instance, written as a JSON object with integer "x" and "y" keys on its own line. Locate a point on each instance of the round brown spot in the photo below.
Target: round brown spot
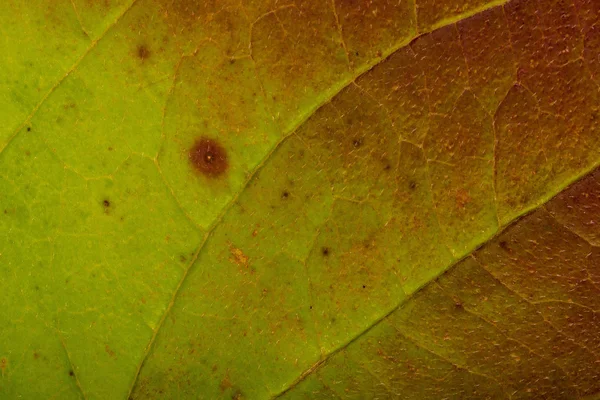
{"x": 208, "y": 157}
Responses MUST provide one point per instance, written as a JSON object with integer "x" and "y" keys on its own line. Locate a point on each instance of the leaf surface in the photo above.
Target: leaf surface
{"x": 251, "y": 199}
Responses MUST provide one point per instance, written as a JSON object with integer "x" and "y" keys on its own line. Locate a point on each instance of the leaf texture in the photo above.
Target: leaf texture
{"x": 225, "y": 199}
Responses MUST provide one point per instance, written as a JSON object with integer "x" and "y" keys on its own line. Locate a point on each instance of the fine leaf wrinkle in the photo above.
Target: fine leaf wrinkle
{"x": 377, "y": 199}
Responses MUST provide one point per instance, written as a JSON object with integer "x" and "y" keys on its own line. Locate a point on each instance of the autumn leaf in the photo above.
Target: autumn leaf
{"x": 343, "y": 199}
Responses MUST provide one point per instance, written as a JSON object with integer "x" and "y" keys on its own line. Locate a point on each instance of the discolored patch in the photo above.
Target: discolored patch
{"x": 109, "y": 351}
{"x": 208, "y": 157}
{"x": 143, "y": 52}
{"x": 238, "y": 257}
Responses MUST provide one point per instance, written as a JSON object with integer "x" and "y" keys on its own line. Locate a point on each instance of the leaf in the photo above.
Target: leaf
{"x": 249, "y": 200}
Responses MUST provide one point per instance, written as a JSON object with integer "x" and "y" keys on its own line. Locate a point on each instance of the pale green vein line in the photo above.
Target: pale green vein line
{"x": 65, "y": 75}
{"x": 72, "y": 366}
{"x": 333, "y": 92}
{"x": 584, "y": 174}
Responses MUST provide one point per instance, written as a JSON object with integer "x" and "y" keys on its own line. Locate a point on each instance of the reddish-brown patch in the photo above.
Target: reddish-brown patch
{"x": 143, "y": 52}
{"x": 238, "y": 257}
{"x": 208, "y": 157}
{"x": 109, "y": 351}
{"x": 225, "y": 383}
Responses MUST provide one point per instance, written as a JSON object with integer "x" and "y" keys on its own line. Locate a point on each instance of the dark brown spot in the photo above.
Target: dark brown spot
{"x": 208, "y": 157}
{"x": 28, "y": 129}
{"x": 143, "y": 52}
{"x": 357, "y": 143}
{"x": 71, "y": 373}
{"x": 285, "y": 195}
{"x": 36, "y": 355}
{"x": 364, "y": 286}
{"x": 412, "y": 185}
{"x": 325, "y": 251}
{"x": 504, "y": 245}
{"x": 106, "y": 203}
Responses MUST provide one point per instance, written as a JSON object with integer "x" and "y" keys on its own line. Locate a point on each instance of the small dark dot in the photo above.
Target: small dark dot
{"x": 37, "y": 287}
{"x": 285, "y": 195}
{"x": 412, "y": 185}
{"x": 311, "y": 307}
{"x": 106, "y": 203}
{"x": 503, "y": 245}
{"x": 208, "y": 157}
{"x": 71, "y": 373}
{"x": 28, "y": 129}
{"x": 387, "y": 167}
{"x": 143, "y": 52}
{"x": 356, "y": 53}
{"x": 232, "y": 61}
{"x": 110, "y": 149}
{"x": 325, "y": 251}
{"x": 357, "y": 143}
{"x": 364, "y": 286}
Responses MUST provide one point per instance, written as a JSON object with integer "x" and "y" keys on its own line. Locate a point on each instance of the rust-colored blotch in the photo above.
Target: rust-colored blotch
{"x": 208, "y": 157}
